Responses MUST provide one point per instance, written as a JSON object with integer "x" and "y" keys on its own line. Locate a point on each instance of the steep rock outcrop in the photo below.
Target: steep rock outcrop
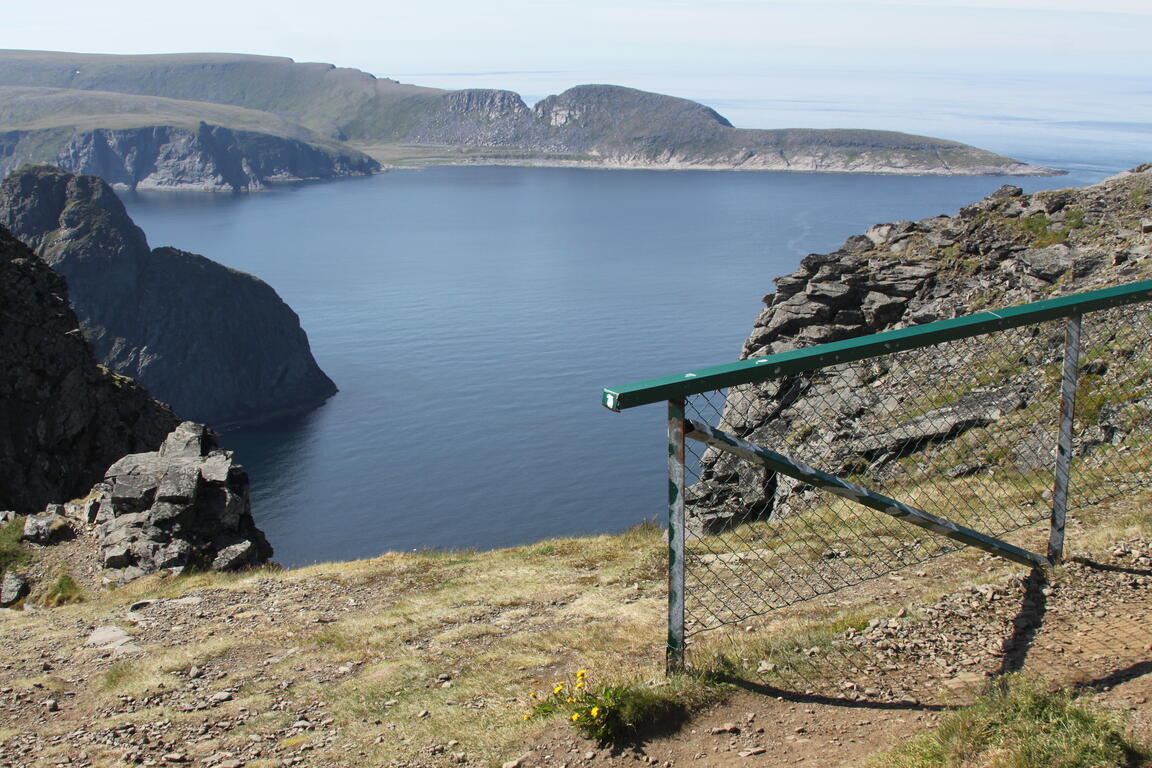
{"x": 218, "y": 345}
{"x": 211, "y": 158}
{"x": 184, "y": 507}
{"x": 63, "y": 419}
{"x": 1008, "y": 249}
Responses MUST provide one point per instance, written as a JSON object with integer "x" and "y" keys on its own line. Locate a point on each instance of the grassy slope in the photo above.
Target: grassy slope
{"x": 35, "y": 109}
{"x": 326, "y": 98}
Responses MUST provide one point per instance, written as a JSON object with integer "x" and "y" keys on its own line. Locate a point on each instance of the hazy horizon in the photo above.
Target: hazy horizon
{"x": 995, "y": 73}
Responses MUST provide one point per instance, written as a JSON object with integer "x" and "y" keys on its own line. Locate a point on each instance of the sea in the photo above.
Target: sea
{"x": 471, "y": 316}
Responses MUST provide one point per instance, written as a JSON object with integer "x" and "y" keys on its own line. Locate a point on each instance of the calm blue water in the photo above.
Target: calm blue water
{"x": 471, "y": 316}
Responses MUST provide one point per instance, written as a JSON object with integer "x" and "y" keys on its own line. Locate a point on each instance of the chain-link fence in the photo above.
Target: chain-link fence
{"x": 800, "y": 477}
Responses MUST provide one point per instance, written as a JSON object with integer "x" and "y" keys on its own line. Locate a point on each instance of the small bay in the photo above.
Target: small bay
{"x": 471, "y": 316}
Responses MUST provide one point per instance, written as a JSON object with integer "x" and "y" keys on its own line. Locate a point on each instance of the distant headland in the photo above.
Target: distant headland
{"x": 238, "y": 122}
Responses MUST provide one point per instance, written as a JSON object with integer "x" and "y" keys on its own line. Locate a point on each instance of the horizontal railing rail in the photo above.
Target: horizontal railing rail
{"x": 821, "y": 356}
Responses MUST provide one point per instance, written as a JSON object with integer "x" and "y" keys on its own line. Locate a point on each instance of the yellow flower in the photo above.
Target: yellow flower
{"x": 532, "y": 694}
{"x": 595, "y": 711}
{"x": 581, "y": 673}
{"x": 559, "y": 687}
{"x": 525, "y": 717}
{"x": 579, "y": 685}
{"x": 575, "y": 716}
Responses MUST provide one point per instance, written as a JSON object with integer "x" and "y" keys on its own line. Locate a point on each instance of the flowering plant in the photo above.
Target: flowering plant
{"x": 597, "y": 711}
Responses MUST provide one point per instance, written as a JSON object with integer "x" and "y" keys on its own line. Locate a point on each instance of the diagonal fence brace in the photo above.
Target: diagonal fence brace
{"x": 776, "y": 462}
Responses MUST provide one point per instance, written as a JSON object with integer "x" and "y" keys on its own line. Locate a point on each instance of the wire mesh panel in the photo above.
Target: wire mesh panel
{"x": 1112, "y": 449}
{"x": 803, "y": 469}
{"x": 965, "y": 430}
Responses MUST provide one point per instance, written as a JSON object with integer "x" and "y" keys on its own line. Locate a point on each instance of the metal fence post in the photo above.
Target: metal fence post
{"x": 675, "y": 657}
{"x": 1068, "y": 385}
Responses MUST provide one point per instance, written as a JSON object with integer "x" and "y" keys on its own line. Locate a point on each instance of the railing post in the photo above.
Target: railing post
{"x": 1068, "y": 385}
{"x": 675, "y": 657}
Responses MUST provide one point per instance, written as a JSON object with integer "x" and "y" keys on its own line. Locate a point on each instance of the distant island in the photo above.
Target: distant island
{"x": 235, "y": 121}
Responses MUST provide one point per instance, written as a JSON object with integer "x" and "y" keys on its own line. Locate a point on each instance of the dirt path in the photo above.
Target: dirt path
{"x": 1091, "y": 628}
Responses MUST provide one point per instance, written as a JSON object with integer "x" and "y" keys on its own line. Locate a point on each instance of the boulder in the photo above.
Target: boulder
{"x": 975, "y": 410}
{"x": 47, "y": 528}
{"x": 183, "y": 507}
{"x": 12, "y": 589}
{"x": 1047, "y": 263}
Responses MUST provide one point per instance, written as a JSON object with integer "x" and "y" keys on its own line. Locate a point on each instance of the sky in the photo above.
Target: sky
{"x": 894, "y": 64}
{"x": 640, "y": 38}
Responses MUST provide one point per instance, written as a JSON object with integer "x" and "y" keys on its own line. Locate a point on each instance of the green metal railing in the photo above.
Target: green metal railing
{"x": 950, "y": 426}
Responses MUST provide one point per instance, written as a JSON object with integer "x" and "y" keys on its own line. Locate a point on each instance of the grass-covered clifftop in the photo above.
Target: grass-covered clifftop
{"x": 322, "y": 104}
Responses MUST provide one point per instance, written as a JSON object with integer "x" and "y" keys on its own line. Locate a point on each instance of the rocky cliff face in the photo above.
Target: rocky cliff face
{"x": 612, "y": 126}
{"x": 1008, "y": 249}
{"x": 218, "y": 345}
{"x": 211, "y": 158}
{"x": 63, "y": 419}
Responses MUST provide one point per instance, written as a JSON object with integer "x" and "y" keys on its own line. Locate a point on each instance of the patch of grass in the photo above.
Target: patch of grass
{"x": 63, "y": 591}
{"x": 782, "y": 654}
{"x": 12, "y": 554}
{"x": 1018, "y": 724}
{"x": 1039, "y": 228}
{"x": 1074, "y": 218}
{"x": 118, "y": 675}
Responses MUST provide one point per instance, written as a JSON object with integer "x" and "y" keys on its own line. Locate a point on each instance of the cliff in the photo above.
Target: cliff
{"x": 600, "y": 125}
{"x": 63, "y": 419}
{"x": 142, "y": 142}
{"x": 218, "y": 345}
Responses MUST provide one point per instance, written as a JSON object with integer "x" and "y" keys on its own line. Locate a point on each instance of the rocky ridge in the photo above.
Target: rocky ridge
{"x": 218, "y": 345}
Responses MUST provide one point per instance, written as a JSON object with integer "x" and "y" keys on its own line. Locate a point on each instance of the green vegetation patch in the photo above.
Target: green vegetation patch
{"x": 1018, "y": 724}
{"x": 12, "y": 555}
{"x": 63, "y": 591}
{"x": 1039, "y": 227}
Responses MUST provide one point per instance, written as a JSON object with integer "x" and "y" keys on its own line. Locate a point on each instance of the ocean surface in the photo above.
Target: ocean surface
{"x": 472, "y": 315}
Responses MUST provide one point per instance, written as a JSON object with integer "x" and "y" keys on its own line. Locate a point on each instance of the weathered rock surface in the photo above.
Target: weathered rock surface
{"x": 63, "y": 419}
{"x": 1010, "y": 248}
{"x": 46, "y": 528}
{"x": 13, "y": 587}
{"x": 183, "y": 507}
{"x": 210, "y": 158}
{"x": 216, "y": 344}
